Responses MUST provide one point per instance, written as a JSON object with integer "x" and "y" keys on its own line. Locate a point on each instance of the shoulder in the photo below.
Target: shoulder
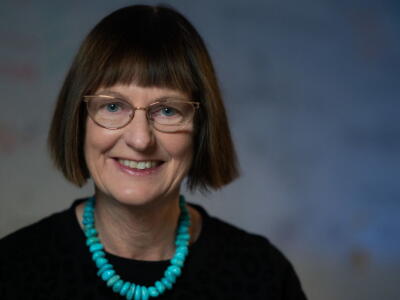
{"x": 247, "y": 259}
{"x": 38, "y": 236}
{"x": 250, "y": 246}
{"x": 34, "y": 232}
{"x": 229, "y": 236}
{"x": 34, "y": 259}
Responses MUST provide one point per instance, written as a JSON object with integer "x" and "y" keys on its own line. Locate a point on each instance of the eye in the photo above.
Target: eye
{"x": 168, "y": 111}
{"x": 165, "y": 112}
{"x": 112, "y": 107}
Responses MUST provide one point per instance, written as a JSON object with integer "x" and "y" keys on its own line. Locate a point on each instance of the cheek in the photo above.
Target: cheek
{"x": 180, "y": 148}
{"x": 97, "y": 140}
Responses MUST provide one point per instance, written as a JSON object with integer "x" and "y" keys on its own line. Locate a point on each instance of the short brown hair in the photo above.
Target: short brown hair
{"x": 151, "y": 46}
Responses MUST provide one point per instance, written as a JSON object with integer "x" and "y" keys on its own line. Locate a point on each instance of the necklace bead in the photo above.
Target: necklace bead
{"x": 127, "y": 289}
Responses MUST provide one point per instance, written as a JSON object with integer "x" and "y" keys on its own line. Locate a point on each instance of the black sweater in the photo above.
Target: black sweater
{"x": 49, "y": 260}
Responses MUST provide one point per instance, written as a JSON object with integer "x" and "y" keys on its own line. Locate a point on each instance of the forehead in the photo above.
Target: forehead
{"x": 135, "y": 92}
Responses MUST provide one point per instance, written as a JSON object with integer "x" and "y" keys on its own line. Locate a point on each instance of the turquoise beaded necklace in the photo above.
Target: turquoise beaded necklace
{"x": 127, "y": 289}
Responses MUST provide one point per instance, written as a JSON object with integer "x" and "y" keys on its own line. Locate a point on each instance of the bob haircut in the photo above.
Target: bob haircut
{"x": 149, "y": 46}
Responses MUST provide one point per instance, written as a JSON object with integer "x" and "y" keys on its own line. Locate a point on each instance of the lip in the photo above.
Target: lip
{"x": 137, "y": 172}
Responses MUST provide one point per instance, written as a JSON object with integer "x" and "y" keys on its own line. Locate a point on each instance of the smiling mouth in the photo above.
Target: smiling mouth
{"x": 140, "y": 165}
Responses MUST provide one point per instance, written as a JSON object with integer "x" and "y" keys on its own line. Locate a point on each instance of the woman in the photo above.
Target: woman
{"x": 140, "y": 110}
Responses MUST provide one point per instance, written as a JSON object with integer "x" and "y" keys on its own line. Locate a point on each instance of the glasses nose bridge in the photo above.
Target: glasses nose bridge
{"x": 140, "y": 108}
{"x": 144, "y": 108}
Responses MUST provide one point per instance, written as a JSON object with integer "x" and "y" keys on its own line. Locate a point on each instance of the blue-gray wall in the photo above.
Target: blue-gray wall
{"x": 312, "y": 90}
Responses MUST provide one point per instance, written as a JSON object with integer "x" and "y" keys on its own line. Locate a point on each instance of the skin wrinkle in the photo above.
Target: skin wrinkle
{"x": 149, "y": 245}
{"x": 152, "y": 227}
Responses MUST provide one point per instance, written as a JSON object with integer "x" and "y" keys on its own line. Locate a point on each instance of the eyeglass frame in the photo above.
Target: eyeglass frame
{"x": 86, "y": 99}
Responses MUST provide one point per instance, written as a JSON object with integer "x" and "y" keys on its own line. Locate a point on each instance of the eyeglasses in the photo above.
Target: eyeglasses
{"x": 167, "y": 115}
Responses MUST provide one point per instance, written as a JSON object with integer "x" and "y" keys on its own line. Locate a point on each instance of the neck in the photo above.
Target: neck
{"x": 138, "y": 232}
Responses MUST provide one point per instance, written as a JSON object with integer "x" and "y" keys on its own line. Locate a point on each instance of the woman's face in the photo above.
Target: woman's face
{"x": 116, "y": 158}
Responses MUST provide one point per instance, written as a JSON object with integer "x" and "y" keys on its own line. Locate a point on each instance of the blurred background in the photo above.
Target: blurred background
{"x": 312, "y": 91}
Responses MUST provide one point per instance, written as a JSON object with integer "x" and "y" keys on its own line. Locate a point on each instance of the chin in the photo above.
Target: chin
{"x": 135, "y": 197}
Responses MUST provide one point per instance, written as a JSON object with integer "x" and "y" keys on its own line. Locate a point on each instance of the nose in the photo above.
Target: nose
{"x": 139, "y": 134}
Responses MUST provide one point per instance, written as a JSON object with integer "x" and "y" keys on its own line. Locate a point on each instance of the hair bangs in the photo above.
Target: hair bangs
{"x": 149, "y": 60}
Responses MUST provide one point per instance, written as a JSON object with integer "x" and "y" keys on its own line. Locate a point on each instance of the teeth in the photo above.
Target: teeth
{"x": 141, "y": 165}
{"x": 132, "y": 164}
